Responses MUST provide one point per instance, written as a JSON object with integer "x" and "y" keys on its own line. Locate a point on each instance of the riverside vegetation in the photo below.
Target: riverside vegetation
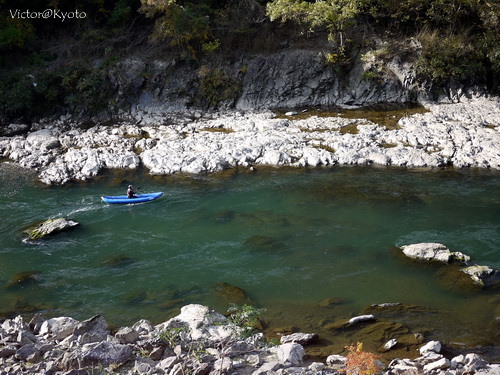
{"x": 48, "y": 66}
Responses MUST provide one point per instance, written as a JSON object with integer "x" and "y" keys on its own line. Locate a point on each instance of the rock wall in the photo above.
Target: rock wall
{"x": 301, "y": 78}
{"x": 287, "y": 79}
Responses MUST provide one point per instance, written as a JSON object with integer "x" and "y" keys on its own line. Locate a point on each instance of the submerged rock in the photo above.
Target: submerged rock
{"x": 483, "y": 276}
{"x": 23, "y": 278}
{"x": 118, "y": 261}
{"x": 396, "y": 308}
{"x": 232, "y": 294}
{"x": 452, "y": 276}
{"x": 49, "y": 227}
{"x": 263, "y": 243}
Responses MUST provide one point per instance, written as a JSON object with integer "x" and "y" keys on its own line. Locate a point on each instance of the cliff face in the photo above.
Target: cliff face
{"x": 302, "y": 78}
{"x": 288, "y": 79}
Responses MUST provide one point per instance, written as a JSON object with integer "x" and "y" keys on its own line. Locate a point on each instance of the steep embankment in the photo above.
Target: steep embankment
{"x": 290, "y": 78}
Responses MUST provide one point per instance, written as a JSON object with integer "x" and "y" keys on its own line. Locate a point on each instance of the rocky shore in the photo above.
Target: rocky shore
{"x": 197, "y": 341}
{"x": 459, "y": 135}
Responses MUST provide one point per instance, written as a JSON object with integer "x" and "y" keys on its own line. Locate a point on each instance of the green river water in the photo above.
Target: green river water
{"x": 312, "y": 247}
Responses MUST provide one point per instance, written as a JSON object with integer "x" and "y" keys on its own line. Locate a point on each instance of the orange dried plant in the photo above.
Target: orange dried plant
{"x": 360, "y": 362}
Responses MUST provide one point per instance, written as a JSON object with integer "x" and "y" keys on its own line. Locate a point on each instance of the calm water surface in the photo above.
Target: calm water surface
{"x": 312, "y": 247}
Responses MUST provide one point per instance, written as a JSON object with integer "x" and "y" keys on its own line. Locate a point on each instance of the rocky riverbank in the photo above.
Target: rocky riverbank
{"x": 197, "y": 341}
{"x": 459, "y": 135}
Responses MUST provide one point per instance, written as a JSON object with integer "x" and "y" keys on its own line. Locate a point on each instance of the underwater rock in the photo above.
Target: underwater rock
{"x": 263, "y": 243}
{"x": 396, "y": 308}
{"x": 232, "y": 294}
{"x": 332, "y": 301}
{"x": 454, "y": 279}
{"x": 118, "y": 261}
{"x": 49, "y": 227}
{"x": 225, "y": 216}
{"x": 172, "y": 304}
{"x": 483, "y": 276}
{"x": 23, "y": 278}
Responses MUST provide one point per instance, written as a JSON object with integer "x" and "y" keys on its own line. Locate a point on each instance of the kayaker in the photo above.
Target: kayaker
{"x": 131, "y": 192}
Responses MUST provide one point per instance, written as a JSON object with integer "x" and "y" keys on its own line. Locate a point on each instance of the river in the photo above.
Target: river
{"x": 310, "y": 246}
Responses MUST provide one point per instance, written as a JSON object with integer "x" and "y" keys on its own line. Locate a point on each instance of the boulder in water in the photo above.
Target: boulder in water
{"x": 483, "y": 276}
{"x": 433, "y": 252}
{"x": 48, "y": 227}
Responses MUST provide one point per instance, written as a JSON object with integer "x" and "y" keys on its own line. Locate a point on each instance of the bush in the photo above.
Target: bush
{"x": 87, "y": 88}
{"x": 449, "y": 57}
{"x": 246, "y": 317}
{"x": 360, "y": 362}
{"x": 28, "y": 92}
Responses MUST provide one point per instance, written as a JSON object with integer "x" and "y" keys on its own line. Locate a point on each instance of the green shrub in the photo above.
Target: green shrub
{"x": 447, "y": 57}
{"x": 15, "y": 33}
{"x": 172, "y": 336}
{"x": 28, "y": 92}
{"x": 86, "y": 88}
{"x": 334, "y": 15}
{"x": 246, "y": 317}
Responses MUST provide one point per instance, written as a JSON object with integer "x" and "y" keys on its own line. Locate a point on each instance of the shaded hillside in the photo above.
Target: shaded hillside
{"x": 102, "y": 56}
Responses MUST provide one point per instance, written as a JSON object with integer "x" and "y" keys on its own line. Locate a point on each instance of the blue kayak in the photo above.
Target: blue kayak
{"x": 139, "y": 198}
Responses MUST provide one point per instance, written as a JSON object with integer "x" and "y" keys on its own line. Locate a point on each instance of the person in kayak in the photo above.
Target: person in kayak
{"x": 131, "y": 193}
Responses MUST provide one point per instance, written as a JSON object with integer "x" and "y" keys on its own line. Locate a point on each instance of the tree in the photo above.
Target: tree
{"x": 335, "y": 15}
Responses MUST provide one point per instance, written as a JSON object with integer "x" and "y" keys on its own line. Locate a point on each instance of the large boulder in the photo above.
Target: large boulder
{"x": 42, "y": 139}
{"x": 433, "y": 252}
{"x": 58, "y": 328}
{"x": 291, "y": 354}
{"x": 104, "y": 354}
{"x": 200, "y": 323}
{"x": 49, "y": 227}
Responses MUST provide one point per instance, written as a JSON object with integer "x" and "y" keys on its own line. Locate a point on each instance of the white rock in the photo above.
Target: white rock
{"x": 336, "y": 359}
{"x": 390, "y": 344}
{"x": 474, "y": 362}
{"x": 317, "y": 367}
{"x": 431, "y": 346}
{"x": 457, "y": 361}
{"x": 143, "y": 327}
{"x": 442, "y": 364}
{"x": 431, "y": 252}
{"x": 202, "y": 323}
{"x": 223, "y": 365}
{"x": 291, "y": 354}
{"x": 59, "y": 328}
{"x": 361, "y": 319}
{"x": 127, "y": 335}
{"x": 299, "y": 338}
